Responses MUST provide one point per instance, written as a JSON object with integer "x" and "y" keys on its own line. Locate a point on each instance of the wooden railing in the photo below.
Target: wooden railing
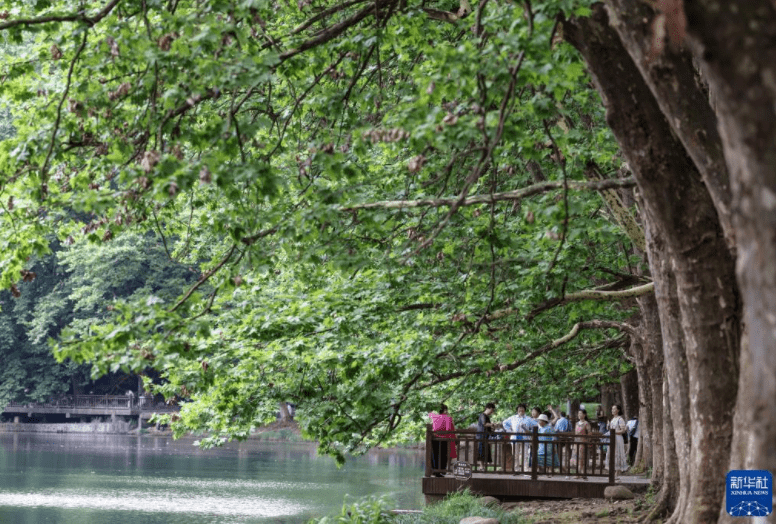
{"x": 93, "y": 401}
{"x": 528, "y": 454}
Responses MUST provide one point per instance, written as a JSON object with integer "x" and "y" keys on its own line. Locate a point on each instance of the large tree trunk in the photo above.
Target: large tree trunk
{"x": 670, "y": 490}
{"x": 285, "y": 415}
{"x": 735, "y": 43}
{"x": 609, "y": 396}
{"x": 678, "y": 444}
{"x": 680, "y": 210}
{"x": 643, "y": 458}
{"x": 78, "y": 387}
{"x": 672, "y": 78}
{"x": 629, "y": 390}
{"x": 652, "y": 424}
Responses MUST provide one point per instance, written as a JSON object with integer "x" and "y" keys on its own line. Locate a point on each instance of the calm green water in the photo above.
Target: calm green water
{"x": 86, "y": 478}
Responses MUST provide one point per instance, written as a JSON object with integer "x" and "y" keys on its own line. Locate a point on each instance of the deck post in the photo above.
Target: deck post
{"x": 611, "y": 454}
{"x": 534, "y": 452}
{"x": 428, "y": 450}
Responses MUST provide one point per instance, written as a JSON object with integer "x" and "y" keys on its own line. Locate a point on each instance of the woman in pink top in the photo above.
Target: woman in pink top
{"x": 441, "y": 450}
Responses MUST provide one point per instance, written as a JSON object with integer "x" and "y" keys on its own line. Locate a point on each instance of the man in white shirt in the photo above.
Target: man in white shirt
{"x": 520, "y": 422}
{"x": 633, "y": 438}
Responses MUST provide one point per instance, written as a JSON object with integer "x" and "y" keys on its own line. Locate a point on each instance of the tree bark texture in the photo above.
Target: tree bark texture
{"x": 681, "y": 212}
{"x": 285, "y": 416}
{"x": 672, "y": 78}
{"x": 610, "y": 395}
{"x": 735, "y": 42}
{"x": 643, "y": 458}
{"x": 629, "y": 386}
{"x": 654, "y": 371}
{"x": 676, "y": 403}
{"x": 670, "y": 489}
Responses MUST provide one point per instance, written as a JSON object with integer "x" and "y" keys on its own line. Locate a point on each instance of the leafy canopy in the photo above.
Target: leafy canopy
{"x": 342, "y": 181}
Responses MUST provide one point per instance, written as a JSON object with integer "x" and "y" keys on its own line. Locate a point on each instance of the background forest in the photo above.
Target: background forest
{"x": 366, "y": 208}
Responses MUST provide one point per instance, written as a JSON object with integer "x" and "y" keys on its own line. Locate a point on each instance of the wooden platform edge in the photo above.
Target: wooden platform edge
{"x": 508, "y": 488}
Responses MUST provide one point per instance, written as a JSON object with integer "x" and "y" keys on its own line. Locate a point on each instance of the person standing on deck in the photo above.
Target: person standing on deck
{"x": 484, "y": 427}
{"x": 522, "y": 423}
{"x": 561, "y": 425}
{"x": 441, "y": 450}
{"x": 559, "y": 421}
{"x": 535, "y": 413}
{"x": 601, "y": 419}
{"x": 633, "y": 438}
{"x": 546, "y": 457}
{"x": 579, "y": 457}
{"x": 618, "y": 426}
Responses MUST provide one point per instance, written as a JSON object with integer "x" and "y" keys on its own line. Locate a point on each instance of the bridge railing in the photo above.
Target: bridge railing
{"x": 515, "y": 453}
{"x": 97, "y": 401}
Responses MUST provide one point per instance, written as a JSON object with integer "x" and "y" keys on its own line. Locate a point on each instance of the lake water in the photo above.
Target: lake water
{"x": 90, "y": 478}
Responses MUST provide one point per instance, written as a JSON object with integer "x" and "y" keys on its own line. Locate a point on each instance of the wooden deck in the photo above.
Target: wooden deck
{"x": 516, "y": 487}
{"x": 514, "y": 471}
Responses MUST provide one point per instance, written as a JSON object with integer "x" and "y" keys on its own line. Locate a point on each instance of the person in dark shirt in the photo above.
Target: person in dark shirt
{"x": 603, "y": 422}
{"x": 484, "y": 426}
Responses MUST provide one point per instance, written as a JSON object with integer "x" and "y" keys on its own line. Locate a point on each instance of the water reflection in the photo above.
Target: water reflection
{"x": 128, "y": 500}
{"x": 143, "y": 479}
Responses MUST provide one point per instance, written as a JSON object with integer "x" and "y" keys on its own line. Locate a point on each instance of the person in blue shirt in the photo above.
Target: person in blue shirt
{"x": 546, "y": 456}
{"x": 560, "y": 425}
{"x": 559, "y": 421}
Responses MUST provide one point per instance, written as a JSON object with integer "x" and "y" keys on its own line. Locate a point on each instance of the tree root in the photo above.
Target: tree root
{"x": 659, "y": 508}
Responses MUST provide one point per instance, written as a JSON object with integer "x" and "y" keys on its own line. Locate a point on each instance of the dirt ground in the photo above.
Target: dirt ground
{"x": 582, "y": 510}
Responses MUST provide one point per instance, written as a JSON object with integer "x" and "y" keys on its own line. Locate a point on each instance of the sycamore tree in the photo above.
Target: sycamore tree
{"x": 389, "y": 205}
{"x": 239, "y": 138}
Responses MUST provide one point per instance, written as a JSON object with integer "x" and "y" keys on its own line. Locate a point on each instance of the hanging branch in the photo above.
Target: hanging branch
{"x": 484, "y": 163}
{"x": 329, "y": 33}
{"x": 44, "y": 169}
{"x": 564, "y": 231}
{"x": 514, "y": 195}
{"x": 76, "y": 17}
{"x": 323, "y": 14}
{"x": 585, "y": 325}
{"x": 584, "y": 295}
{"x": 202, "y": 280}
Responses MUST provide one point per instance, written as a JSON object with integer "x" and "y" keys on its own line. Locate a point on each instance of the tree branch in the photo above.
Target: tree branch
{"x": 592, "y": 295}
{"x": 329, "y": 33}
{"x": 419, "y": 306}
{"x": 584, "y": 295}
{"x": 204, "y": 278}
{"x": 514, "y": 195}
{"x": 76, "y": 17}
{"x": 323, "y": 14}
{"x": 256, "y": 236}
{"x": 44, "y": 169}
{"x": 585, "y": 325}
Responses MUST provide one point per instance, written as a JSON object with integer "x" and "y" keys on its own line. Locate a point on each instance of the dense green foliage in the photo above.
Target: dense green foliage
{"x": 245, "y": 138}
{"x": 76, "y": 286}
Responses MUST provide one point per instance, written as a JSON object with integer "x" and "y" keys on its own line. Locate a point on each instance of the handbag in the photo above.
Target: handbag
{"x": 624, "y": 435}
